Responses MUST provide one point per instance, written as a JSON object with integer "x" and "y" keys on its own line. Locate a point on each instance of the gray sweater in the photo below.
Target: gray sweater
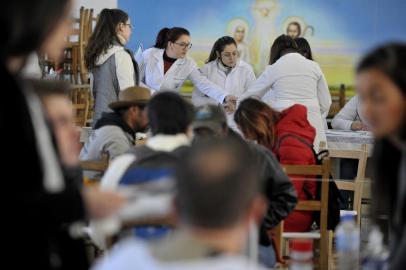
{"x": 115, "y": 70}
{"x": 108, "y": 139}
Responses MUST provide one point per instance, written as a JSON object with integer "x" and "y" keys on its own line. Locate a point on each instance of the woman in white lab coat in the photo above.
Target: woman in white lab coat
{"x": 293, "y": 79}
{"x": 225, "y": 69}
{"x": 165, "y": 67}
{"x": 350, "y": 117}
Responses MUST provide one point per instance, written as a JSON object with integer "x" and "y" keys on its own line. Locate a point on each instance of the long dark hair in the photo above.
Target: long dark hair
{"x": 169, "y": 34}
{"x": 304, "y": 47}
{"x": 26, "y": 24}
{"x": 390, "y": 60}
{"x": 281, "y": 45}
{"x": 104, "y": 35}
{"x": 257, "y": 121}
{"x": 219, "y": 46}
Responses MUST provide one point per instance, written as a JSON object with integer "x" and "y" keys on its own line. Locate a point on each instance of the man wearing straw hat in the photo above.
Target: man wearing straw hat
{"x": 114, "y": 133}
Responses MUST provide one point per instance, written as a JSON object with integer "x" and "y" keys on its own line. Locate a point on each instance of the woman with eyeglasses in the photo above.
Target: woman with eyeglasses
{"x": 225, "y": 69}
{"x": 112, "y": 65}
{"x": 166, "y": 67}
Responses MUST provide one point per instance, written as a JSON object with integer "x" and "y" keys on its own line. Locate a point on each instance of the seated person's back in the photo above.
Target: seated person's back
{"x": 148, "y": 169}
{"x": 289, "y": 135}
{"x": 216, "y": 172}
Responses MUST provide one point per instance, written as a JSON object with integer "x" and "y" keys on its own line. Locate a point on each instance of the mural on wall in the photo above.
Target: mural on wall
{"x": 339, "y": 32}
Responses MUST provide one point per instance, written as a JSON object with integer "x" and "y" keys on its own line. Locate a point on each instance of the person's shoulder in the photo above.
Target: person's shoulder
{"x": 128, "y": 255}
{"x": 151, "y": 51}
{"x": 245, "y": 66}
{"x": 313, "y": 64}
{"x": 109, "y": 131}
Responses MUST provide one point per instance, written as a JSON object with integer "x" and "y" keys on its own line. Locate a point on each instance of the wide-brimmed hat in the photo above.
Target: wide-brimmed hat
{"x": 131, "y": 96}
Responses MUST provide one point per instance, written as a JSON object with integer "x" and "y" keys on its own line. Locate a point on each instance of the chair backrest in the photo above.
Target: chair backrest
{"x": 314, "y": 205}
{"x": 97, "y": 166}
{"x": 81, "y": 99}
{"x": 77, "y": 42}
{"x": 321, "y": 205}
{"x": 86, "y": 29}
{"x": 357, "y": 185}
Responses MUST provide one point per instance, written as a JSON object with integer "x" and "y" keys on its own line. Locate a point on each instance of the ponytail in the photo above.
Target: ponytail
{"x": 169, "y": 34}
{"x": 160, "y": 42}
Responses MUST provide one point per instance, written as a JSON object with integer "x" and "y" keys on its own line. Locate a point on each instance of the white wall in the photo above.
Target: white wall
{"x": 97, "y": 5}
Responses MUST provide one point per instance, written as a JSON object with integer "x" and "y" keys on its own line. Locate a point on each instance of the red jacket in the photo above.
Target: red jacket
{"x": 292, "y": 151}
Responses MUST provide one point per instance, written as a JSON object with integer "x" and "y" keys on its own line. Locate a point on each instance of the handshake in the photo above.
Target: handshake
{"x": 230, "y": 103}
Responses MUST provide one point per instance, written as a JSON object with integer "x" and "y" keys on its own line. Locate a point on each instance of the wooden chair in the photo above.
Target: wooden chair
{"x": 81, "y": 98}
{"x": 94, "y": 166}
{"x": 324, "y": 235}
{"x": 82, "y": 33}
{"x": 356, "y": 186}
{"x": 339, "y": 99}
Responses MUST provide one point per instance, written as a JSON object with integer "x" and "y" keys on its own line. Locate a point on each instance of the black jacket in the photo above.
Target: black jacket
{"x": 32, "y": 217}
{"x": 277, "y": 188}
{"x": 385, "y": 189}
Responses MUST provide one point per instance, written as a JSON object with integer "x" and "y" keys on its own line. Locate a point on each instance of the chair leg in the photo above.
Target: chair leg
{"x": 326, "y": 251}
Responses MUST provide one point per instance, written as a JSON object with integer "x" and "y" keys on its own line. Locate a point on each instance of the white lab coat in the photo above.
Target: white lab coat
{"x": 234, "y": 83}
{"x": 347, "y": 115}
{"x": 293, "y": 79}
{"x": 152, "y": 75}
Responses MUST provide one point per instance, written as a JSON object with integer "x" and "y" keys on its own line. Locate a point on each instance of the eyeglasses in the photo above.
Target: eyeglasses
{"x": 231, "y": 55}
{"x": 184, "y": 45}
{"x": 129, "y": 25}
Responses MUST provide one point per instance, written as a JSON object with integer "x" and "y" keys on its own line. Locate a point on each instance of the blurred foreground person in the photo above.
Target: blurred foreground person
{"x": 381, "y": 86}
{"x": 217, "y": 201}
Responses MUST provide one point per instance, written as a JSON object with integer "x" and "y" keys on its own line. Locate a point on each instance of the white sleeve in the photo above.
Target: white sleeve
{"x": 116, "y": 171}
{"x": 250, "y": 77}
{"x": 323, "y": 95}
{"x": 346, "y": 116}
{"x": 205, "y": 86}
{"x": 198, "y": 98}
{"x": 260, "y": 86}
{"x": 142, "y": 65}
{"x": 124, "y": 70}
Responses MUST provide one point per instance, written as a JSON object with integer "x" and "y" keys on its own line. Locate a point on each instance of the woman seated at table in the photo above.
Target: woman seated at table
{"x": 225, "y": 69}
{"x": 350, "y": 117}
{"x": 290, "y": 136}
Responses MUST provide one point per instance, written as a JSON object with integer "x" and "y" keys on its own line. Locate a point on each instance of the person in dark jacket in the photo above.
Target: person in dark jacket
{"x": 381, "y": 86}
{"x": 115, "y": 132}
{"x": 289, "y": 135}
{"x": 39, "y": 199}
{"x": 211, "y": 121}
